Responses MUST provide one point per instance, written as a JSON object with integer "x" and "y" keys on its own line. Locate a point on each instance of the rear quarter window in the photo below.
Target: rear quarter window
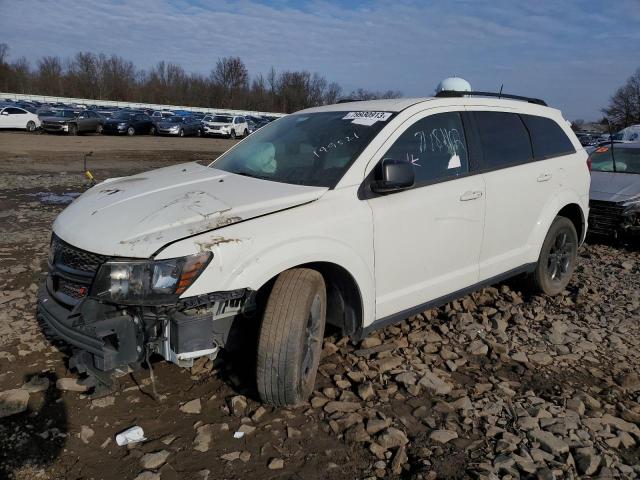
{"x": 504, "y": 140}
{"x": 547, "y": 137}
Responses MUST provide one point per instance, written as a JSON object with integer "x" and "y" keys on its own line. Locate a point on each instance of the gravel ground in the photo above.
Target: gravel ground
{"x": 498, "y": 384}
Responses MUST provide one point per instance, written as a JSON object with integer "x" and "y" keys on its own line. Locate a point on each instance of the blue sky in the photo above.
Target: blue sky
{"x": 573, "y": 53}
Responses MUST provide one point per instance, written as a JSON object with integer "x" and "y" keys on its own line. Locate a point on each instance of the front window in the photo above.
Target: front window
{"x": 314, "y": 149}
{"x": 64, "y": 114}
{"x": 122, "y": 116}
{"x": 623, "y": 160}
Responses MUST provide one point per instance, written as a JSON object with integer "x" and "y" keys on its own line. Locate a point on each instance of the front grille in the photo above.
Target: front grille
{"x": 71, "y": 257}
{"x": 605, "y": 218}
{"x": 72, "y": 271}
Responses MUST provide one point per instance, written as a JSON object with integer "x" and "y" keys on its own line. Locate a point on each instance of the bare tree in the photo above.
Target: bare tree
{"x": 231, "y": 75}
{"x": 624, "y": 106}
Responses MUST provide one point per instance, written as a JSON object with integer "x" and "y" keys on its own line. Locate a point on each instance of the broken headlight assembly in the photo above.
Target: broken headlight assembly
{"x": 148, "y": 282}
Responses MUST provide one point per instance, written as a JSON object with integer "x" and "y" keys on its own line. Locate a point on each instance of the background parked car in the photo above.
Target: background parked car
{"x": 228, "y": 126}
{"x": 614, "y": 197}
{"x": 129, "y": 122}
{"x": 73, "y": 122}
{"x": 16, "y": 117}
{"x": 179, "y": 126}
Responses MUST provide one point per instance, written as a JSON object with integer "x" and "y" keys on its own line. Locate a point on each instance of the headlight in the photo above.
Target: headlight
{"x": 148, "y": 282}
{"x": 122, "y": 124}
{"x": 174, "y": 128}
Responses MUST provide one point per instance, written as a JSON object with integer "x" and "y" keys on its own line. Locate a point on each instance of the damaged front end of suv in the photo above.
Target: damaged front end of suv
{"x": 116, "y": 312}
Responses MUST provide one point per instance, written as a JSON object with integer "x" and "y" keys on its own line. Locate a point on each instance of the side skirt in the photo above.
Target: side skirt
{"x": 438, "y": 302}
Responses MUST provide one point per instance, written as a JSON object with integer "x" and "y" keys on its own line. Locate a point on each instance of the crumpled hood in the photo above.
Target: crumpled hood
{"x": 614, "y": 187}
{"x": 136, "y": 216}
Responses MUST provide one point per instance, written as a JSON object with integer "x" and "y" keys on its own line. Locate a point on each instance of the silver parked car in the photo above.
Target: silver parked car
{"x": 614, "y": 198}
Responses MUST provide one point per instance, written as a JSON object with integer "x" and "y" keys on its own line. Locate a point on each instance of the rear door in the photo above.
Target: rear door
{"x": 427, "y": 239}
{"x": 517, "y": 189}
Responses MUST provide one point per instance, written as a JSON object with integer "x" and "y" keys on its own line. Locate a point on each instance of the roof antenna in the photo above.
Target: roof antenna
{"x": 500, "y": 93}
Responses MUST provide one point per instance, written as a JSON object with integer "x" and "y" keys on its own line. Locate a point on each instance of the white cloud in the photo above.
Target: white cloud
{"x": 534, "y": 48}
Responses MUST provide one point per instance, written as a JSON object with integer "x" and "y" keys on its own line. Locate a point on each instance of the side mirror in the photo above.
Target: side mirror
{"x": 394, "y": 176}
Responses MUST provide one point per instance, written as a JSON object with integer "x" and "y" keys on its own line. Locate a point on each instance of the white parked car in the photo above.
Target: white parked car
{"x": 358, "y": 215}
{"x": 229, "y": 126}
{"x": 16, "y": 117}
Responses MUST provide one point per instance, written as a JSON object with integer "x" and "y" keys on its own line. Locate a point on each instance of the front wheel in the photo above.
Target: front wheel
{"x": 290, "y": 340}
{"x": 153, "y": 131}
{"x": 73, "y": 129}
{"x": 31, "y": 126}
{"x": 99, "y": 129}
{"x": 246, "y": 132}
{"x": 233, "y": 134}
{"x": 557, "y": 259}
{"x": 131, "y": 131}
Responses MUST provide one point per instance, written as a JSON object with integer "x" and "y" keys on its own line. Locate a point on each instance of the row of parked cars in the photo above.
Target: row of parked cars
{"x": 76, "y": 119}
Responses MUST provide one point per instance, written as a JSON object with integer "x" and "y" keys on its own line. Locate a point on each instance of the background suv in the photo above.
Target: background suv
{"x": 225, "y": 125}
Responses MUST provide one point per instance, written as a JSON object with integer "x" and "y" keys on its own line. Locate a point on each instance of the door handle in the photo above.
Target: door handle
{"x": 544, "y": 177}
{"x": 469, "y": 195}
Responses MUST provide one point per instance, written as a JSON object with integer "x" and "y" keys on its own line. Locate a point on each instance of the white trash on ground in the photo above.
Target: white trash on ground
{"x": 130, "y": 435}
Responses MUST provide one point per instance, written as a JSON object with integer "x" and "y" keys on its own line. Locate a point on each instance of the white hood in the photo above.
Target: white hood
{"x": 136, "y": 216}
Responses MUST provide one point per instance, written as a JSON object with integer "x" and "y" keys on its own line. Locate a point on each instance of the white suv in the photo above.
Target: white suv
{"x": 358, "y": 215}
{"x": 225, "y": 125}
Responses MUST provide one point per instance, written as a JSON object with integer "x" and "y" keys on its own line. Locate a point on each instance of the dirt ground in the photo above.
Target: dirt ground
{"x": 496, "y": 385}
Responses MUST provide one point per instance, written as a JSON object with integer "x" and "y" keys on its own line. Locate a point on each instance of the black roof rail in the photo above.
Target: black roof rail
{"x": 454, "y": 93}
{"x": 347, "y": 100}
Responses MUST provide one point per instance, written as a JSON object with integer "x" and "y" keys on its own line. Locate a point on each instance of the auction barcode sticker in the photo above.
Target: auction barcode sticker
{"x": 377, "y": 116}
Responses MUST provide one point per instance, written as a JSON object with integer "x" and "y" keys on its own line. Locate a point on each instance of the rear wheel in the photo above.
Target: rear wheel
{"x": 246, "y": 132}
{"x": 131, "y": 131}
{"x": 557, "y": 258}
{"x": 73, "y": 129}
{"x": 290, "y": 339}
{"x": 181, "y": 133}
{"x": 233, "y": 134}
{"x": 31, "y": 126}
{"x": 153, "y": 131}
{"x": 99, "y": 128}
{"x": 198, "y": 133}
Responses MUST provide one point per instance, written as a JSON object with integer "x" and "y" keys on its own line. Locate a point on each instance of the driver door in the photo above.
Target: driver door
{"x": 427, "y": 239}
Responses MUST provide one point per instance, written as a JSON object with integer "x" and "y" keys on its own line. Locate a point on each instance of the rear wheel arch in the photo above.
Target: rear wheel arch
{"x": 573, "y": 212}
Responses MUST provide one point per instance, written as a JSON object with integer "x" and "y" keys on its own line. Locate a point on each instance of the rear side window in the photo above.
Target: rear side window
{"x": 435, "y": 146}
{"x": 504, "y": 140}
{"x": 547, "y": 137}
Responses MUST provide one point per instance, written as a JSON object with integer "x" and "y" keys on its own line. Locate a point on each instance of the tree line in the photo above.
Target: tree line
{"x": 228, "y": 84}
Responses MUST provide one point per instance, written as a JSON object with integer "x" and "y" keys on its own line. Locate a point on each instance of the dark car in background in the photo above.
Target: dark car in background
{"x": 178, "y": 126}
{"x": 614, "y": 197}
{"x": 128, "y": 122}
{"x": 73, "y": 123}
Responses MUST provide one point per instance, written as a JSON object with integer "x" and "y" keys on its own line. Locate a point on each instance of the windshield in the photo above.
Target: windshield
{"x": 314, "y": 149}
{"x": 122, "y": 115}
{"x": 64, "y": 114}
{"x": 173, "y": 120}
{"x": 221, "y": 119}
{"x": 624, "y": 160}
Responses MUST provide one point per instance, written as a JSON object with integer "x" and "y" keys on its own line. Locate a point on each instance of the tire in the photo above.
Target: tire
{"x": 233, "y": 135}
{"x": 245, "y": 133}
{"x": 290, "y": 338}
{"x": 153, "y": 131}
{"x": 181, "y": 134}
{"x": 131, "y": 131}
{"x": 198, "y": 133}
{"x": 31, "y": 126}
{"x": 557, "y": 259}
{"x": 73, "y": 129}
{"x": 99, "y": 129}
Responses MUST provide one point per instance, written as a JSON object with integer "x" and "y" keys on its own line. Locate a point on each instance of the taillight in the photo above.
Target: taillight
{"x": 589, "y": 163}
